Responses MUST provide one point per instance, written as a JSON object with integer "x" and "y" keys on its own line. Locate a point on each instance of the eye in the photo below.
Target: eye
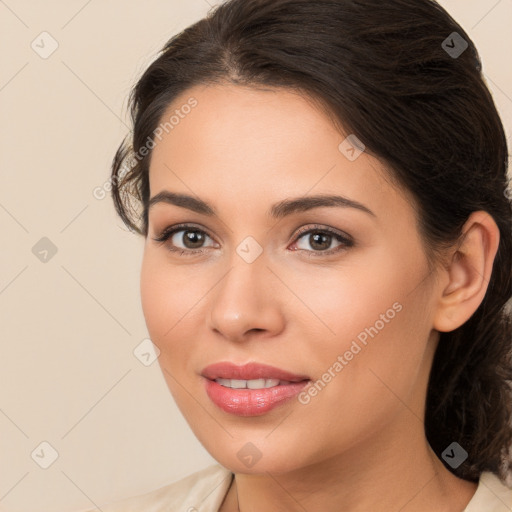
{"x": 320, "y": 239}
{"x": 191, "y": 237}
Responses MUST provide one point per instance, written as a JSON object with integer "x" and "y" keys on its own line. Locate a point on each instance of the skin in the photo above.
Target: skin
{"x": 360, "y": 442}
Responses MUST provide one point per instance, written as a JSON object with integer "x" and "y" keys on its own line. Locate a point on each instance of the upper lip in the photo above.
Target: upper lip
{"x": 249, "y": 371}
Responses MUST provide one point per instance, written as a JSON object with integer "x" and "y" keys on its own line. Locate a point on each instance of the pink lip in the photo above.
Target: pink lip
{"x": 250, "y": 402}
{"x": 227, "y": 370}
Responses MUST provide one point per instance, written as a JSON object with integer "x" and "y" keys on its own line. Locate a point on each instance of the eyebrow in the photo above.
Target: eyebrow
{"x": 277, "y": 210}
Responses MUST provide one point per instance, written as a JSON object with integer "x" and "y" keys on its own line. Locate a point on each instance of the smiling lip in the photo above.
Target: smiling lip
{"x": 250, "y": 402}
{"x": 226, "y": 370}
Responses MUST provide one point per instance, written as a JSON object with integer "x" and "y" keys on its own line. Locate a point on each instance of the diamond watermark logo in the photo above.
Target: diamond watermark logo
{"x": 146, "y": 352}
{"x": 352, "y": 147}
{"x": 44, "y": 45}
{"x": 249, "y": 249}
{"x": 454, "y": 455}
{"x": 44, "y": 455}
{"x": 44, "y": 250}
{"x": 454, "y": 45}
{"x": 249, "y": 454}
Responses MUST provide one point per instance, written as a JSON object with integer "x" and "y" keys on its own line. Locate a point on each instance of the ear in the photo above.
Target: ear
{"x": 464, "y": 280}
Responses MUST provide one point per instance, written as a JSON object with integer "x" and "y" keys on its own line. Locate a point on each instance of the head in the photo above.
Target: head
{"x": 406, "y": 279}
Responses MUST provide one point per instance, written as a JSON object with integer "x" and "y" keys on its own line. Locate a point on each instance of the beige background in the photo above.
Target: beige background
{"x": 69, "y": 326}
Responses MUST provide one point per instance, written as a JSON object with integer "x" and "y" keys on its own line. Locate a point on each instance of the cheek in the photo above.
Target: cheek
{"x": 163, "y": 307}
{"x": 345, "y": 301}
{"x": 152, "y": 297}
{"x": 357, "y": 395}
{"x": 375, "y": 316}
{"x": 167, "y": 294}
{"x": 162, "y": 299}
{"x": 171, "y": 302}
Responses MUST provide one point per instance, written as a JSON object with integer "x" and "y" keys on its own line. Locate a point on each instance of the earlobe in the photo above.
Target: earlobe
{"x": 468, "y": 272}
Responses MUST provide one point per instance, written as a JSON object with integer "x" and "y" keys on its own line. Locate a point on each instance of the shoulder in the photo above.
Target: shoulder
{"x": 491, "y": 495}
{"x": 202, "y": 491}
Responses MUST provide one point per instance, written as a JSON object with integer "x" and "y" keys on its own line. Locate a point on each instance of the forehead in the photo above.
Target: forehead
{"x": 240, "y": 118}
{"x": 238, "y": 141}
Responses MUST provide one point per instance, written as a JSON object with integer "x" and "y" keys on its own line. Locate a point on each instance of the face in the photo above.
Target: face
{"x": 335, "y": 296}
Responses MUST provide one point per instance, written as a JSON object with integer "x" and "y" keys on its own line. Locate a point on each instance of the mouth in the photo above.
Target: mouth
{"x": 251, "y": 384}
{"x": 252, "y": 389}
{"x": 250, "y": 372}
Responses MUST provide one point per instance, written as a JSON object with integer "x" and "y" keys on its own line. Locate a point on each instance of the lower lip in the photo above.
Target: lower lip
{"x": 251, "y": 402}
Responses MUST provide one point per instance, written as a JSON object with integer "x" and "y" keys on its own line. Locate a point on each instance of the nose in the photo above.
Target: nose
{"x": 246, "y": 302}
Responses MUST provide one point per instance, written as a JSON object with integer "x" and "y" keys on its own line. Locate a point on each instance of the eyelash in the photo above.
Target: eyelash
{"x": 345, "y": 240}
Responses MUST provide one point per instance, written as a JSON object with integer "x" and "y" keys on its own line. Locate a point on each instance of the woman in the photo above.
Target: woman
{"x": 328, "y": 258}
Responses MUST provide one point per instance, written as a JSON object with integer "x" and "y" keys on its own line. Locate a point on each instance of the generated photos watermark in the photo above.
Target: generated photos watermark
{"x": 174, "y": 120}
{"x": 341, "y": 361}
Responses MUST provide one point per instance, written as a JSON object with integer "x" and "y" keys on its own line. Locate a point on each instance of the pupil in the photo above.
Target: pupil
{"x": 193, "y": 239}
{"x": 319, "y": 238}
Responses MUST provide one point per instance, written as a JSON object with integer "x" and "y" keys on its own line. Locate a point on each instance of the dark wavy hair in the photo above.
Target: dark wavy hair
{"x": 389, "y": 72}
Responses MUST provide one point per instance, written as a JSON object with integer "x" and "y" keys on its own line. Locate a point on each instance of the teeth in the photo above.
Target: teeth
{"x": 249, "y": 384}
{"x": 262, "y": 383}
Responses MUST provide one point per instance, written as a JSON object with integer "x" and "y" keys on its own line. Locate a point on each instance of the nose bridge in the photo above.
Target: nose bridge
{"x": 243, "y": 300}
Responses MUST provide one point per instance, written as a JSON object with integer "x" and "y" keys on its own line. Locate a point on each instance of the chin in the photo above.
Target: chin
{"x": 253, "y": 455}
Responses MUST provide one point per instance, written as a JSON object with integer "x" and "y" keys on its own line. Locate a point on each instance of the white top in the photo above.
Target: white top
{"x": 205, "y": 490}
